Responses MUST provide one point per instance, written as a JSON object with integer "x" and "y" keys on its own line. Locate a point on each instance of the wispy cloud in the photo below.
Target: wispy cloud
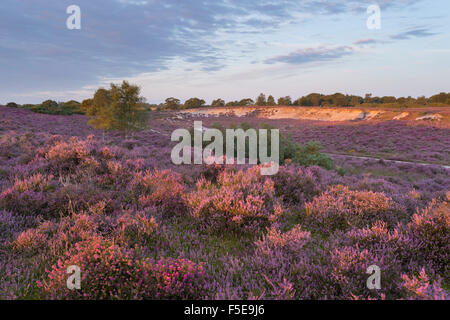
{"x": 313, "y": 54}
{"x": 362, "y": 42}
{"x": 415, "y": 33}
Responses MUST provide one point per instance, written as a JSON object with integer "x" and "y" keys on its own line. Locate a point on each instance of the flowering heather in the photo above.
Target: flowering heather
{"x": 429, "y": 236}
{"x": 238, "y": 200}
{"x": 109, "y": 272}
{"x": 163, "y": 189}
{"x": 140, "y": 227}
{"x": 340, "y": 208}
{"x": 179, "y": 279}
{"x": 420, "y": 288}
{"x": 29, "y": 196}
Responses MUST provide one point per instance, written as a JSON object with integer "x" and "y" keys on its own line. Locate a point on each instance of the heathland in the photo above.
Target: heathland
{"x": 140, "y": 227}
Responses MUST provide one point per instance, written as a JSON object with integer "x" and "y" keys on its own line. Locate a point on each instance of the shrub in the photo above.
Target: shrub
{"x": 348, "y": 274}
{"x": 179, "y": 279}
{"x": 297, "y": 185}
{"x": 239, "y": 200}
{"x": 69, "y": 156}
{"x": 30, "y": 240}
{"x": 133, "y": 228}
{"x": 428, "y": 236}
{"x": 420, "y": 288}
{"x": 107, "y": 272}
{"x": 291, "y": 241}
{"x": 340, "y": 208}
{"x": 30, "y": 196}
{"x": 12, "y": 105}
{"x": 161, "y": 188}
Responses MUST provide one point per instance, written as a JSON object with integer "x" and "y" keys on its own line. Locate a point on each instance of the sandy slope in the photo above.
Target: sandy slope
{"x": 324, "y": 113}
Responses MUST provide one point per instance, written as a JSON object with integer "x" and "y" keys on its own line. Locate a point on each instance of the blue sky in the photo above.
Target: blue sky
{"x": 224, "y": 48}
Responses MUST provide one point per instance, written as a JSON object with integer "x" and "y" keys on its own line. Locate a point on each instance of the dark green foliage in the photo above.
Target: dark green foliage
{"x": 173, "y": 104}
{"x": 194, "y": 103}
{"x": 218, "y": 103}
{"x": 119, "y": 108}
{"x": 12, "y": 105}
{"x": 307, "y": 155}
{"x": 261, "y": 100}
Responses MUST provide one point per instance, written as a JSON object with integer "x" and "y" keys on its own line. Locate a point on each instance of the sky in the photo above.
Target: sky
{"x": 229, "y": 49}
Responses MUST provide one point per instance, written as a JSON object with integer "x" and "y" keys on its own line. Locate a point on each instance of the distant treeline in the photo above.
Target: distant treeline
{"x": 313, "y": 99}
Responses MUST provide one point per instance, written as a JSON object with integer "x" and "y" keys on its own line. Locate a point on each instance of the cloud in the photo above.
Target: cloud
{"x": 415, "y": 33}
{"x": 362, "y": 42}
{"x": 313, "y": 54}
{"x": 124, "y": 38}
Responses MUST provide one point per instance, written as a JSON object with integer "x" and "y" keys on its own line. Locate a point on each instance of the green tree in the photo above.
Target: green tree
{"x": 173, "y": 103}
{"x": 285, "y": 101}
{"x": 271, "y": 101}
{"x": 368, "y": 98}
{"x": 127, "y": 106}
{"x": 12, "y": 105}
{"x": 389, "y": 99}
{"x": 119, "y": 108}
{"x": 218, "y": 103}
{"x": 261, "y": 100}
{"x": 194, "y": 103}
{"x": 246, "y": 102}
{"x": 49, "y": 104}
{"x": 100, "y": 110}
{"x": 355, "y": 100}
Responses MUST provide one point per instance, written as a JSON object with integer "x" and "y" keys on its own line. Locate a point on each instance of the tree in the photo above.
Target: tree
{"x": 284, "y": 101}
{"x": 355, "y": 100}
{"x": 218, "y": 103}
{"x": 86, "y": 105}
{"x": 233, "y": 104}
{"x": 271, "y": 101}
{"x": 100, "y": 110}
{"x": 71, "y": 107}
{"x": 368, "y": 98}
{"x": 12, "y": 105}
{"x": 389, "y": 99}
{"x": 194, "y": 103}
{"x": 49, "y": 104}
{"x": 246, "y": 102}
{"x": 440, "y": 98}
{"x": 261, "y": 100}
{"x": 119, "y": 108}
{"x": 173, "y": 103}
{"x": 422, "y": 100}
{"x": 127, "y": 106}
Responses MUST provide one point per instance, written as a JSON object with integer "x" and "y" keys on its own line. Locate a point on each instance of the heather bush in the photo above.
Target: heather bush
{"x": 11, "y": 224}
{"x": 377, "y": 238}
{"x": 340, "y": 208}
{"x": 428, "y": 237}
{"x": 135, "y": 227}
{"x": 30, "y": 196}
{"x": 179, "y": 279}
{"x": 297, "y": 185}
{"x": 107, "y": 272}
{"x": 271, "y": 271}
{"x": 30, "y": 240}
{"x": 69, "y": 156}
{"x": 161, "y": 188}
{"x": 239, "y": 200}
{"x": 421, "y": 288}
{"x": 291, "y": 241}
